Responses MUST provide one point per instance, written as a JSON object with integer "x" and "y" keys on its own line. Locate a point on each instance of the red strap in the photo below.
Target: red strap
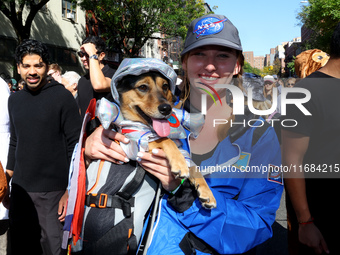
{"x": 78, "y": 214}
{"x": 80, "y": 202}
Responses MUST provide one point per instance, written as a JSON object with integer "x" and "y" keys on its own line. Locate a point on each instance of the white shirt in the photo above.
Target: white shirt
{"x": 4, "y": 134}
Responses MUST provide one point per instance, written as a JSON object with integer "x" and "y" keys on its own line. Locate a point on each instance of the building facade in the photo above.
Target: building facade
{"x": 259, "y": 62}
{"x": 249, "y": 57}
{"x": 292, "y": 49}
{"x": 59, "y": 25}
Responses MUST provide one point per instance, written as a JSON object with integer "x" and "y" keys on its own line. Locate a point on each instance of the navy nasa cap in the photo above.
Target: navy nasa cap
{"x": 212, "y": 29}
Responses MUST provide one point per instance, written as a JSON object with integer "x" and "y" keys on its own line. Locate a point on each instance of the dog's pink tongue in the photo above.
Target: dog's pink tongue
{"x": 162, "y": 127}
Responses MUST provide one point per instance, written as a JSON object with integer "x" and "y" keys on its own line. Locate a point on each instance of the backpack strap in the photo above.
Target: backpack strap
{"x": 237, "y": 131}
{"x": 190, "y": 243}
{"x": 258, "y": 132}
{"x": 122, "y": 200}
{"x": 108, "y": 201}
{"x": 147, "y": 237}
{"x": 133, "y": 185}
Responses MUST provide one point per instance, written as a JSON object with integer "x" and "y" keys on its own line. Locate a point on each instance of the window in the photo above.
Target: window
{"x": 69, "y": 10}
{"x": 62, "y": 56}
{"x": 7, "y": 48}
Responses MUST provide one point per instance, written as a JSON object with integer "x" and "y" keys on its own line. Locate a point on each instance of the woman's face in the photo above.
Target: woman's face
{"x": 290, "y": 83}
{"x": 211, "y": 65}
{"x": 268, "y": 85}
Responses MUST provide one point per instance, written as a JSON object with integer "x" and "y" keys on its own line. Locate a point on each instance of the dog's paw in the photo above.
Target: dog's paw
{"x": 204, "y": 193}
{"x": 180, "y": 174}
{"x": 206, "y": 197}
{"x": 179, "y": 171}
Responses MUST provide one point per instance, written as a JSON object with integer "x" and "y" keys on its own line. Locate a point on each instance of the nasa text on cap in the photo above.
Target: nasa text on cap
{"x": 212, "y": 30}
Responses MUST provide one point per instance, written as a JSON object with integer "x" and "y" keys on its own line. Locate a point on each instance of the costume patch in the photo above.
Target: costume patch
{"x": 243, "y": 161}
{"x": 209, "y": 26}
{"x": 173, "y": 121}
{"x": 275, "y": 174}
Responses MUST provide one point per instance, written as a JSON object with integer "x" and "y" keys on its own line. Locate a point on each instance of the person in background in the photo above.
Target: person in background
{"x": 21, "y": 84}
{"x": 15, "y": 85}
{"x": 70, "y": 80}
{"x": 311, "y": 147}
{"x": 96, "y": 82}
{"x": 9, "y": 84}
{"x": 259, "y": 101}
{"x": 44, "y": 128}
{"x": 4, "y": 142}
{"x": 280, "y": 83}
{"x": 55, "y": 71}
{"x": 290, "y": 82}
{"x": 268, "y": 87}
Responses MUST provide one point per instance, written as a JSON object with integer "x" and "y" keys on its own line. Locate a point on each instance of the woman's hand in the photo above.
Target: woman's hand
{"x": 101, "y": 144}
{"x": 157, "y": 164}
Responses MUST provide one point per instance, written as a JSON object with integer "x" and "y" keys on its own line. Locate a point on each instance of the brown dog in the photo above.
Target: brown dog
{"x": 147, "y": 98}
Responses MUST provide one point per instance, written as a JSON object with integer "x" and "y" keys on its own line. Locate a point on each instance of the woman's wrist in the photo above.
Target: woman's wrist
{"x": 184, "y": 197}
{"x": 173, "y": 192}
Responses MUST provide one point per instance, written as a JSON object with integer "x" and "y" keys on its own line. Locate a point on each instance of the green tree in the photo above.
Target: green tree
{"x": 291, "y": 66}
{"x": 266, "y": 71}
{"x": 276, "y": 67}
{"x": 247, "y": 68}
{"x": 321, "y": 16}
{"x": 128, "y": 24}
{"x": 14, "y": 9}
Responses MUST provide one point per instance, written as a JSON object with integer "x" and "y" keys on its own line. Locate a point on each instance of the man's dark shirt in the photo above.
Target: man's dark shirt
{"x": 86, "y": 92}
{"x": 322, "y": 159}
{"x": 45, "y": 127}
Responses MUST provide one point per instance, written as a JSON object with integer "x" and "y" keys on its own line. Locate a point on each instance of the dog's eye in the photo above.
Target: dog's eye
{"x": 165, "y": 87}
{"x": 143, "y": 88}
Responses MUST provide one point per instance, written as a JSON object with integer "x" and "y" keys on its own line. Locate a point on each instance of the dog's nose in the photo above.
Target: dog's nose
{"x": 165, "y": 109}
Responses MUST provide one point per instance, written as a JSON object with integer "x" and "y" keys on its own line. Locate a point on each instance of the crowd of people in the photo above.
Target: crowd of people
{"x": 41, "y": 124}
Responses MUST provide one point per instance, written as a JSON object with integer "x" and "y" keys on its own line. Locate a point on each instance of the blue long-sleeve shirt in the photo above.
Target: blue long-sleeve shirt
{"x": 246, "y": 201}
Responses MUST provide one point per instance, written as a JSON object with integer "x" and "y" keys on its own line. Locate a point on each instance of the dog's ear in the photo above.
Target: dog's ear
{"x": 126, "y": 84}
{"x": 123, "y": 86}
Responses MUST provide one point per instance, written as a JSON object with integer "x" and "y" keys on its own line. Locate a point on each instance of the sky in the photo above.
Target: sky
{"x": 262, "y": 24}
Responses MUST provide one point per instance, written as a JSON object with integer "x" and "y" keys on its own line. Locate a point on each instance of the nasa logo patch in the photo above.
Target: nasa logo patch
{"x": 209, "y": 26}
{"x": 275, "y": 174}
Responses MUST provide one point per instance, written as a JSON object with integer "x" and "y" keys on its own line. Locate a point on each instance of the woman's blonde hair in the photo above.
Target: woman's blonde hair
{"x": 269, "y": 93}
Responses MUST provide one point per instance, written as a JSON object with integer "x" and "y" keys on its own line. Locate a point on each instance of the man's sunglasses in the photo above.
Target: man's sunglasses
{"x": 82, "y": 54}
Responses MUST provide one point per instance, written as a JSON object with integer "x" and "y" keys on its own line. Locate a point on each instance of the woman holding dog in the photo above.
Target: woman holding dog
{"x": 246, "y": 200}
